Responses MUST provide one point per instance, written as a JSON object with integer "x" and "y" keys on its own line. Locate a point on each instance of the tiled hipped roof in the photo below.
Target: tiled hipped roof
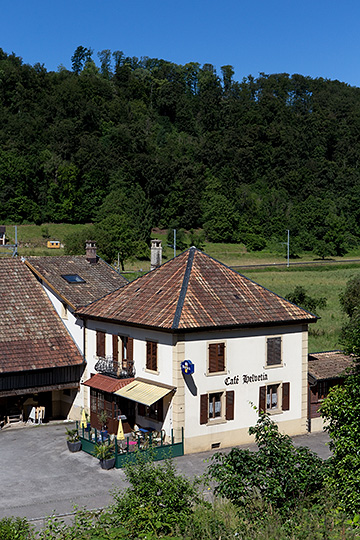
{"x": 31, "y": 334}
{"x": 328, "y": 365}
{"x": 99, "y": 278}
{"x": 195, "y": 291}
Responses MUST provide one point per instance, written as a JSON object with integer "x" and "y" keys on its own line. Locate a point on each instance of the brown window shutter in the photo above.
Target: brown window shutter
{"x": 203, "y": 409}
{"x": 148, "y": 355}
{"x": 221, "y": 356}
{"x": 216, "y": 357}
{"x": 230, "y": 405}
{"x": 115, "y": 344}
{"x": 262, "y": 398}
{"x": 212, "y": 358}
{"x": 115, "y": 352}
{"x": 154, "y": 356}
{"x": 130, "y": 349}
{"x": 100, "y": 344}
{"x": 286, "y": 396}
{"x": 273, "y": 351}
{"x": 151, "y": 355}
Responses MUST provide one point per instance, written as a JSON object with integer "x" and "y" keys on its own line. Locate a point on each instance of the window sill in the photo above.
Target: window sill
{"x": 152, "y": 371}
{"x": 274, "y": 366}
{"x": 216, "y": 422}
{"x": 212, "y": 373}
{"x": 274, "y": 411}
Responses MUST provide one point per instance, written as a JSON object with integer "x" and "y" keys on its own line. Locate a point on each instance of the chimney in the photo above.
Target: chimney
{"x": 156, "y": 254}
{"x": 91, "y": 252}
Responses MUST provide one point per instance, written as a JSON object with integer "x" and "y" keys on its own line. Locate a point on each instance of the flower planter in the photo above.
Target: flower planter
{"x": 107, "y": 463}
{"x": 74, "y": 446}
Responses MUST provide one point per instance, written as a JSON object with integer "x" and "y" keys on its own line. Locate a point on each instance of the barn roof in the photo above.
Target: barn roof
{"x": 32, "y": 336}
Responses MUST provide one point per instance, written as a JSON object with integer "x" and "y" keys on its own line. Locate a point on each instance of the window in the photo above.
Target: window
{"x": 274, "y": 397}
{"x": 100, "y": 344}
{"x": 216, "y": 357}
{"x": 273, "y": 356}
{"x": 73, "y": 278}
{"x": 151, "y": 355}
{"x": 123, "y": 354}
{"x": 216, "y": 406}
{"x": 323, "y": 389}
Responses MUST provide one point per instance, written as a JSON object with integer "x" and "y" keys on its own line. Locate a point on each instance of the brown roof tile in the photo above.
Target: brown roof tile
{"x": 106, "y": 384}
{"x": 100, "y": 278}
{"x": 194, "y": 291}
{"x": 31, "y": 334}
{"x": 328, "y": 365}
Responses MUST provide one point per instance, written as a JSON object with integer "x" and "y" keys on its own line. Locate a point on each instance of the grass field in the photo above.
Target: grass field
{"x": 328, "y": 280}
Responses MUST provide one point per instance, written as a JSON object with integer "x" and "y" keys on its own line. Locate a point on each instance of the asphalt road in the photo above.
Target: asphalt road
{"x": 39, "y": 477}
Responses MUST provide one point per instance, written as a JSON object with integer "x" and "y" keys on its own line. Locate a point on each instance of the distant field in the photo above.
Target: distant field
{"x": 32, "y": 239}
{"x": 328, "y": 280}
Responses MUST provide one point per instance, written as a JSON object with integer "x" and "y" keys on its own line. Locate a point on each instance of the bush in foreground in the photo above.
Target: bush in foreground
{"x": 278, "y": 474}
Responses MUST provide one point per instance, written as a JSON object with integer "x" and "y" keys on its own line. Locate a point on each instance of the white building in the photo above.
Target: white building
{"x": 70, "y": 282}
{"x": 247, "y": 345}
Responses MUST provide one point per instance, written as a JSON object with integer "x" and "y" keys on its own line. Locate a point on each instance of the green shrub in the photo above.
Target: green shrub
{"x": 253, "y": 242}
{"x": 15, "y": 529}
{"x": 278, "y": 473}
{"x": 158, "y": 502}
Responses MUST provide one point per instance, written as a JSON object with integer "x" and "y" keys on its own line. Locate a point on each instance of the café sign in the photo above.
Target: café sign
{"x": 246, "y": 379}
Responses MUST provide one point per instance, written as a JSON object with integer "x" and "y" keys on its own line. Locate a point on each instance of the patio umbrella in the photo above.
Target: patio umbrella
{"x": 120, "y": 432}
{"x": 83, "y": 422}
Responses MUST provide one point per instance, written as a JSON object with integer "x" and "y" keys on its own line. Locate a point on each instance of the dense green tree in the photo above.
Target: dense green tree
{"x": 81, "y": 56}
{"x": 350, "y": 334}
{"x": 350, "y": 303}
{"x": 117, "y": 239}
{"x": 341, "y": 410}
{"x": 236, "y": 159}
{"x": 300, "y": 297}
{"x": 74, "y": 243}
{"x": 350, "y": 298}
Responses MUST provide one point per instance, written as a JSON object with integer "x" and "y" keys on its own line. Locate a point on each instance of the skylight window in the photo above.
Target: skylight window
{"x": 73, "y": 278}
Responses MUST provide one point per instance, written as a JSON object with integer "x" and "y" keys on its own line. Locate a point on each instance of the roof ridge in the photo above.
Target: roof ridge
{"x": 257, "y": 284}
{"x": 183, "y": 290}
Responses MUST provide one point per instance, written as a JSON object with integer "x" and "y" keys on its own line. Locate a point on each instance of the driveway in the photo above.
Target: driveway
{"x": 40, "y": 477}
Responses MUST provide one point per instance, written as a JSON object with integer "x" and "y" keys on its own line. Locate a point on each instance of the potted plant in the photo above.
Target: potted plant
{"x": 102, "y": 417}
{"x": 106, "y": 455}
{"x": 73, "y": 442}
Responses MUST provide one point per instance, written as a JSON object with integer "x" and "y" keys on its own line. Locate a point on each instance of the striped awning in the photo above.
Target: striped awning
{"x": 145, "y": 392}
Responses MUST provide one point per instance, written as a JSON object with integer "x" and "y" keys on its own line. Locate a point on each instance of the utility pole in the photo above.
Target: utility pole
{"x": 174, "y": 243}
{"x": 288, "y": 248}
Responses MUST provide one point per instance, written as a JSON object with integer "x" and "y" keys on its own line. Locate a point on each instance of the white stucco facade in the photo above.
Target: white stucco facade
{"x": 246, "y": 370}
{"x": 163, "y": 374}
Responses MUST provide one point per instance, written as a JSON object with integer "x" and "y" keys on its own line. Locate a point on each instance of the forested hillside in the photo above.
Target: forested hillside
{"x": 172, "y": 145}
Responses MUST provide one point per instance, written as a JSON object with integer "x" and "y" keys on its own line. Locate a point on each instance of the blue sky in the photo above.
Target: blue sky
{"x": 313, "y": 37}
